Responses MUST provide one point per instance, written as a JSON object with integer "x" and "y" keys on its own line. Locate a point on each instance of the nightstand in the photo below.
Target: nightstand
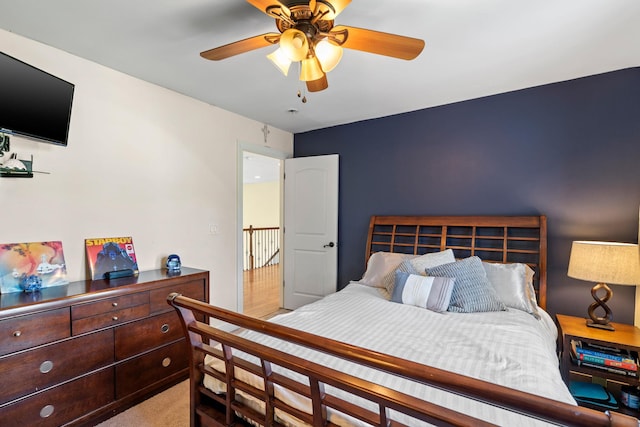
{"x": 624, "y": 337}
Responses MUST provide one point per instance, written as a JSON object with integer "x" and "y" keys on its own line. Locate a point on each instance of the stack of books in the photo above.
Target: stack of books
{"x": 610, "y": 359}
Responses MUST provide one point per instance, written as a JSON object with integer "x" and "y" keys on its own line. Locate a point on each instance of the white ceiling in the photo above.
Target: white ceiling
{"x": 259, "y": 169}
{"x": 473, "y": 48}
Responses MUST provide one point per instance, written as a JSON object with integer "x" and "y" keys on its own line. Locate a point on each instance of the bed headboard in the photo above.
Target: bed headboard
{"x": 492, "y": 238}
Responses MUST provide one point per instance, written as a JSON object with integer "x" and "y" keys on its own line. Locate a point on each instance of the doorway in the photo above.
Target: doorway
{"x": 261, "y": 234}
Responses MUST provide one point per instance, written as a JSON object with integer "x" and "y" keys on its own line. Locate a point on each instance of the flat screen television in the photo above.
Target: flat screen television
{"x": 34, "y": 103}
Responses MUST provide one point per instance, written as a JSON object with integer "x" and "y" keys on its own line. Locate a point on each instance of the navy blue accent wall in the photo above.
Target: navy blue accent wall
{"x": 568, "y": 150}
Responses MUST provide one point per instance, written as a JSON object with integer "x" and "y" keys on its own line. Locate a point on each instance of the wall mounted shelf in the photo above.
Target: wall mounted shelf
{"x": 6, "y": 173}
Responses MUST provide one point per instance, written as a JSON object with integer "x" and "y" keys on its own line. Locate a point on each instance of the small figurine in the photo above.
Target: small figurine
{"x": 173, "y": 263}
{"x": 30, "y": 283}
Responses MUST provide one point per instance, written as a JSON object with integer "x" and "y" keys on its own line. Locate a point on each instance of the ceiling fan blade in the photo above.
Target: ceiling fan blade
{"x": 241, "y": 46}
{"x": 318, "y": 85}
{"x": 377, "y": 42}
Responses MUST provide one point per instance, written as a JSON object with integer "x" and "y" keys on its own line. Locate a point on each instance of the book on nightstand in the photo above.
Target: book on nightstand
{"x": 617, "y": 361}
{"x": 592, "y": 394}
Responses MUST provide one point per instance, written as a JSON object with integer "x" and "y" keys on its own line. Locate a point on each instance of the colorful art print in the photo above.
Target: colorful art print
{"x": 22, "y": 260}
{"x": 110, "y": 254}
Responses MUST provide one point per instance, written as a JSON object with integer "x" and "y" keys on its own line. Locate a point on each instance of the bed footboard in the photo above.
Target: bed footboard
{"x": 232, "y": 406}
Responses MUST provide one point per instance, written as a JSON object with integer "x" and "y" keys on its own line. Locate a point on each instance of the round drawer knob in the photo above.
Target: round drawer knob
{"x": 166, "y": 362}
{"x": 17, "y": 333}
{"x": 46, "y": 366}
{"x": 114, "y": 318}
{"x": 115, "y": 304}
{"x": 46, "y": 411}
{"x": 164, "y": 328}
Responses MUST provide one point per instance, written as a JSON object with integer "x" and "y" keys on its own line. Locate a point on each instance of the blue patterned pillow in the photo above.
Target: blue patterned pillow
{"x": 472, "y": 292}
{"x": 432, "y": 293}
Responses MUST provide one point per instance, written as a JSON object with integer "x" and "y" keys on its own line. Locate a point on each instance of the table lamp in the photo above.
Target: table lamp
{"x": 604, "y": 262}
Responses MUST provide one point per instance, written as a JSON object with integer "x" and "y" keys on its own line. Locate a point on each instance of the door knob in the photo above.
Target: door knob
{"x": 330, "y": 245}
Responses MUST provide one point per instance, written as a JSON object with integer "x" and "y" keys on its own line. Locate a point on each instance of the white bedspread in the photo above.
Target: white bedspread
{"x": 509, "y": 348}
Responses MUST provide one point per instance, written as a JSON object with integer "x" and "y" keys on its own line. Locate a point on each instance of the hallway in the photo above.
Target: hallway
{"x": 262, "y": 289}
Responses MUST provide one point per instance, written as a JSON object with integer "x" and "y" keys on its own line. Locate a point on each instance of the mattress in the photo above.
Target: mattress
{"x": 510, "y": 348}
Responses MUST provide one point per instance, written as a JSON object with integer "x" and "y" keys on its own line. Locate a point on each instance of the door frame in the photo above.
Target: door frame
{"x": 268, "y": 152}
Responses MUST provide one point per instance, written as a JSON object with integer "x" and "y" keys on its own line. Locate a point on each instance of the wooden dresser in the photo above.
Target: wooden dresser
{"x": 80, "y": 353}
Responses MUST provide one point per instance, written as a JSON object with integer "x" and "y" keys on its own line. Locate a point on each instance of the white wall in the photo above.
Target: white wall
{"x": 261, "y": 207}
{"x": 141, "y": 161}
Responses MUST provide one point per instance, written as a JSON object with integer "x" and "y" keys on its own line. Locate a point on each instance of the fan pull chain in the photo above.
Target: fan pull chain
{"x": 302, "y": 95}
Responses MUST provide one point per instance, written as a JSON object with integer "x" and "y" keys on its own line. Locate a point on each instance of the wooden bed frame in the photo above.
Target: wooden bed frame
{"x": 500, "y": 239}
{"x": 493, "y": 238}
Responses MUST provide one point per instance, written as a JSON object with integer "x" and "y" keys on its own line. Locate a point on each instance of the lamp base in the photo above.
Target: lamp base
{"x": 600, "y": 322}
{"x": 605, "y": 326}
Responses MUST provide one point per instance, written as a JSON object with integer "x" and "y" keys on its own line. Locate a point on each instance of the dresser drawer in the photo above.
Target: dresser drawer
{"x": 51, "y": 364}
{"x": 108, "y": 305}
{"x": 108, "y": 312}
{"x": 105, "y": 320}
{"x": 192, "y": 289}
{"x": 26, "y": 331}
{"x": 59, "y": 405}
{"x": 143, "y": 335}
{"x": 149, "y": 368}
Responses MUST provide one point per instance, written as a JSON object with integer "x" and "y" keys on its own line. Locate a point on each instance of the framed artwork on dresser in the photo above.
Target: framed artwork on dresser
{"x": 31, "y": 266}
{"x": 110, "y": 254}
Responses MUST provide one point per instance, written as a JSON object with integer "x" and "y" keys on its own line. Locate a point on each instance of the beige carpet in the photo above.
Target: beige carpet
{"x": 167, "y": 409}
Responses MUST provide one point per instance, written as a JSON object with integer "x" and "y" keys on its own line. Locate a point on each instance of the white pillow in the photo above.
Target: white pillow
{"x": 380, "y": 264}
{"x": 433, "y": 259}
{"x": 417, "y": 265}
{"x": 513, "y": 283}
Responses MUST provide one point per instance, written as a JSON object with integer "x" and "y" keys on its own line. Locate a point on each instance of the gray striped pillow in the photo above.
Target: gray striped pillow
{"x": 432, "y": 293}
{"x": 472, "y": 292}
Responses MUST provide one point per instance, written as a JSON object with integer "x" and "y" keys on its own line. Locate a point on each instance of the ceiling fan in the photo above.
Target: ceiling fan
{"x": 308, "y": 36}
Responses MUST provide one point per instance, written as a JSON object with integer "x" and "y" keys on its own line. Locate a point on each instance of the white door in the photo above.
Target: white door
{"x": 310, "y": 229}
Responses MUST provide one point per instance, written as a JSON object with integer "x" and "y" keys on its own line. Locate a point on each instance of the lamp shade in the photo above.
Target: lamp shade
{"x": 311, "y": 69}
{"x": 606, "y": 262}
{"x": 280, "y": 60}
{"x": 328, "y": 54}
{"x": 295, "y": 45}
{"x": 636, "y": 321}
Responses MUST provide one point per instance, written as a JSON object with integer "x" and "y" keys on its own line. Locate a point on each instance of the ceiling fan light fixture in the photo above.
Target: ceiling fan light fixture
{"x": 307, "y": 34}
{"x": 328, "y": 54}
{"x": 294, "y": 44}
{"x": 280, "y": 60}
{"x": 310, "y": 69}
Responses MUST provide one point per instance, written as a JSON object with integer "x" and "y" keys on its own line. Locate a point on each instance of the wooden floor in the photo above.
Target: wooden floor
{"x": 262, "y": 291}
